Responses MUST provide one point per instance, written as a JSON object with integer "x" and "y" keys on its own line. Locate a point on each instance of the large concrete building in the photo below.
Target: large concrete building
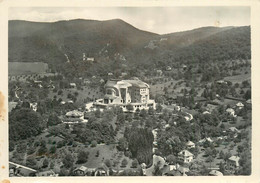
{"x": 128, "y": 94}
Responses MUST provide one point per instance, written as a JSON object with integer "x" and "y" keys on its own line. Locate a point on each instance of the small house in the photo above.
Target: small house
{"x": 143, "y": 166}
{"x": 190, "y": 145}
{"x": 231, "y": 112}
{"x": 206, "y": 112}
{"x": 239, "y": 105}
{"x": 73, "y": 85}
{"x": 234, "y": 130}
{"x": 185, "y": 156}
{"x": 48, "y": 173}
{"x": 233, "y": 162}
{"x": 80, "y": 171}
{"x": 215, "y": 173}
{"x": 91, "y": 59}
{"x": 74, "y": 114}
{"x": 168, "y": 68}
{"x": 33, "y": 106}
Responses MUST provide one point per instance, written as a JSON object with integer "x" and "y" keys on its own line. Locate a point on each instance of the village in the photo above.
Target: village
{"x": 101, "y": 97}
{"x": 214, "y": 147}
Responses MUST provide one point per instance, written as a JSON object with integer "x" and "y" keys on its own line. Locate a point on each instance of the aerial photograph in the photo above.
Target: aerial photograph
{"x": 129, "y": 91}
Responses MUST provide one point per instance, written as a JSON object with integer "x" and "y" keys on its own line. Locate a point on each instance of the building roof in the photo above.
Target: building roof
{"x": 206, "y": 112}
{"x": 190, "y": 143}
{"x": 82, "y": 168}
{"x": 230, "y": 110}
{"x": 47, "y": 173}
{"x": 137, "y": 83}
{"x": 234, "y": 159}
{"x": 127, "y": 83}
{"x": 185, "y": 153}
{"x": 234, "y": 129}
{"x": 215, "y": 173}
{"x": 74, "y": 113}
{"x": 249, "y": 101}
{"x": 240, "y": 104}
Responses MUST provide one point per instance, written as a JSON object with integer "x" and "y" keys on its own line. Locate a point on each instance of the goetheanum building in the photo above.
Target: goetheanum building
{"x": 128, "y": 94}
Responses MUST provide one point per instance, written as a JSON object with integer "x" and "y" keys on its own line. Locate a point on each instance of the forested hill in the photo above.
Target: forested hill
{"x": 115, "y": 41}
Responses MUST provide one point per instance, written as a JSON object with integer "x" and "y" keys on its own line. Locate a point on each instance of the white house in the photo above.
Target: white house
{"x": 73, "y": 85}
{"x": 231, "y": 112}
{"x": 80, "y": 171}
{"x": 168, "y": 68}
{"x": 215, "y": 173}
{"x": 34, "y": 106}
{"x": 240, "y": 105}
{"x": 234, "y": 129}
{"x": 186, "y": 156}
{"x": 233, "y": 162}
{"x": 91, "y": 59}
{"x": 190, "y": 145}
{"x": 74, "y": 114}
{"x": 206, "y": 112}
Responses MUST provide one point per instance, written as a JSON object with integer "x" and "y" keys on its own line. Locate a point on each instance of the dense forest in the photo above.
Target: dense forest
{"x": 115, "y": 52}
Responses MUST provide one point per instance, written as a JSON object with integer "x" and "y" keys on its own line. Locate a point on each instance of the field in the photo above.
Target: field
{"x": 238, "y": 78}
{"x": 87, "y": 92}
{"x": 22, "y": 68}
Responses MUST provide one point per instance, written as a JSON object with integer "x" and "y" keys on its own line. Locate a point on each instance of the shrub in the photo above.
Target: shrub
{"x": 124, "y": 162}
{"x": 93, "y": 143}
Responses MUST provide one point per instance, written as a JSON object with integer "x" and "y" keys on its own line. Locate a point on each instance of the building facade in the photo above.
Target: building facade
{"x": 130, "y": 95}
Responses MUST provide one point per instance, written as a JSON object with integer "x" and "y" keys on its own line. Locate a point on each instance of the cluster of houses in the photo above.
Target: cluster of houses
{"x": 102, "y": 170}
{"x": 169, "y": 169}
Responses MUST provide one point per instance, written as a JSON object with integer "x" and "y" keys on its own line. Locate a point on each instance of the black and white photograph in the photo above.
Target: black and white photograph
{"x": 129, "y": 91}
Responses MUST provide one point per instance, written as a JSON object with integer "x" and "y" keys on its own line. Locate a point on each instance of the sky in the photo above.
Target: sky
{"x": 159, "y": 20}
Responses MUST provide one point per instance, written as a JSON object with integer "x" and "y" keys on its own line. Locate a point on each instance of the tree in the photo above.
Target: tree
{"x": 82, "y": 157}
{"x": 122, "y": 144}
{"x": 97, "y": 154}
{"x": 158, "y": 108}
{"x": 121, "y": 118}
{"x": 157, "y": 171}
{"x": 143, "y": 113}
{"x": 171, "y": 159}
{"x": 108, "y": 163}
{"x": 25, "y": 123}
{"x": 226, "y": 156}
{"x": 124, "y": 162}
{"x": 129, "y": 107}
{"x": 221, "y": 155}
{"x": 52, "y": 149}
{"x": 31, "y": 162}
{"x": 42, "y": 150}
{"x": 53, "y": 119}
{"x": 222, "y": 167}
{"x": 93, "y": 143}
{"x": 98, "y": 113}
{"x": 150, "y": 111}
{"x": 45, "y": 163}
{"x": 68, "y": 161}
{"x": 134, "y": 163}
{"x": 245, "y": 163}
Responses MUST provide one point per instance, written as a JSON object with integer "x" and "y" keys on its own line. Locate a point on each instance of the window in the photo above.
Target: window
{"x": 109, "y": 92}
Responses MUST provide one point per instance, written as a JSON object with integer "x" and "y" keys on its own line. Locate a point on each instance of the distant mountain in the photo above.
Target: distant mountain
{"x": 75, "y": 37}
{"x": 115, "y": 39}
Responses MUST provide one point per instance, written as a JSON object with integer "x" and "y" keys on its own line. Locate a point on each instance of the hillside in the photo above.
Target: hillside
{"x": 115, "y": 40}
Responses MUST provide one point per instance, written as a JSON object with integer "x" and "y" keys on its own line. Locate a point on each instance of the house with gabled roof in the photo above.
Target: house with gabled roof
{"x": 80, "y": 171}
{"x": 233, "y": 162}
{"x": 190, "y": 145}
{"x": 186, "y": 156}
